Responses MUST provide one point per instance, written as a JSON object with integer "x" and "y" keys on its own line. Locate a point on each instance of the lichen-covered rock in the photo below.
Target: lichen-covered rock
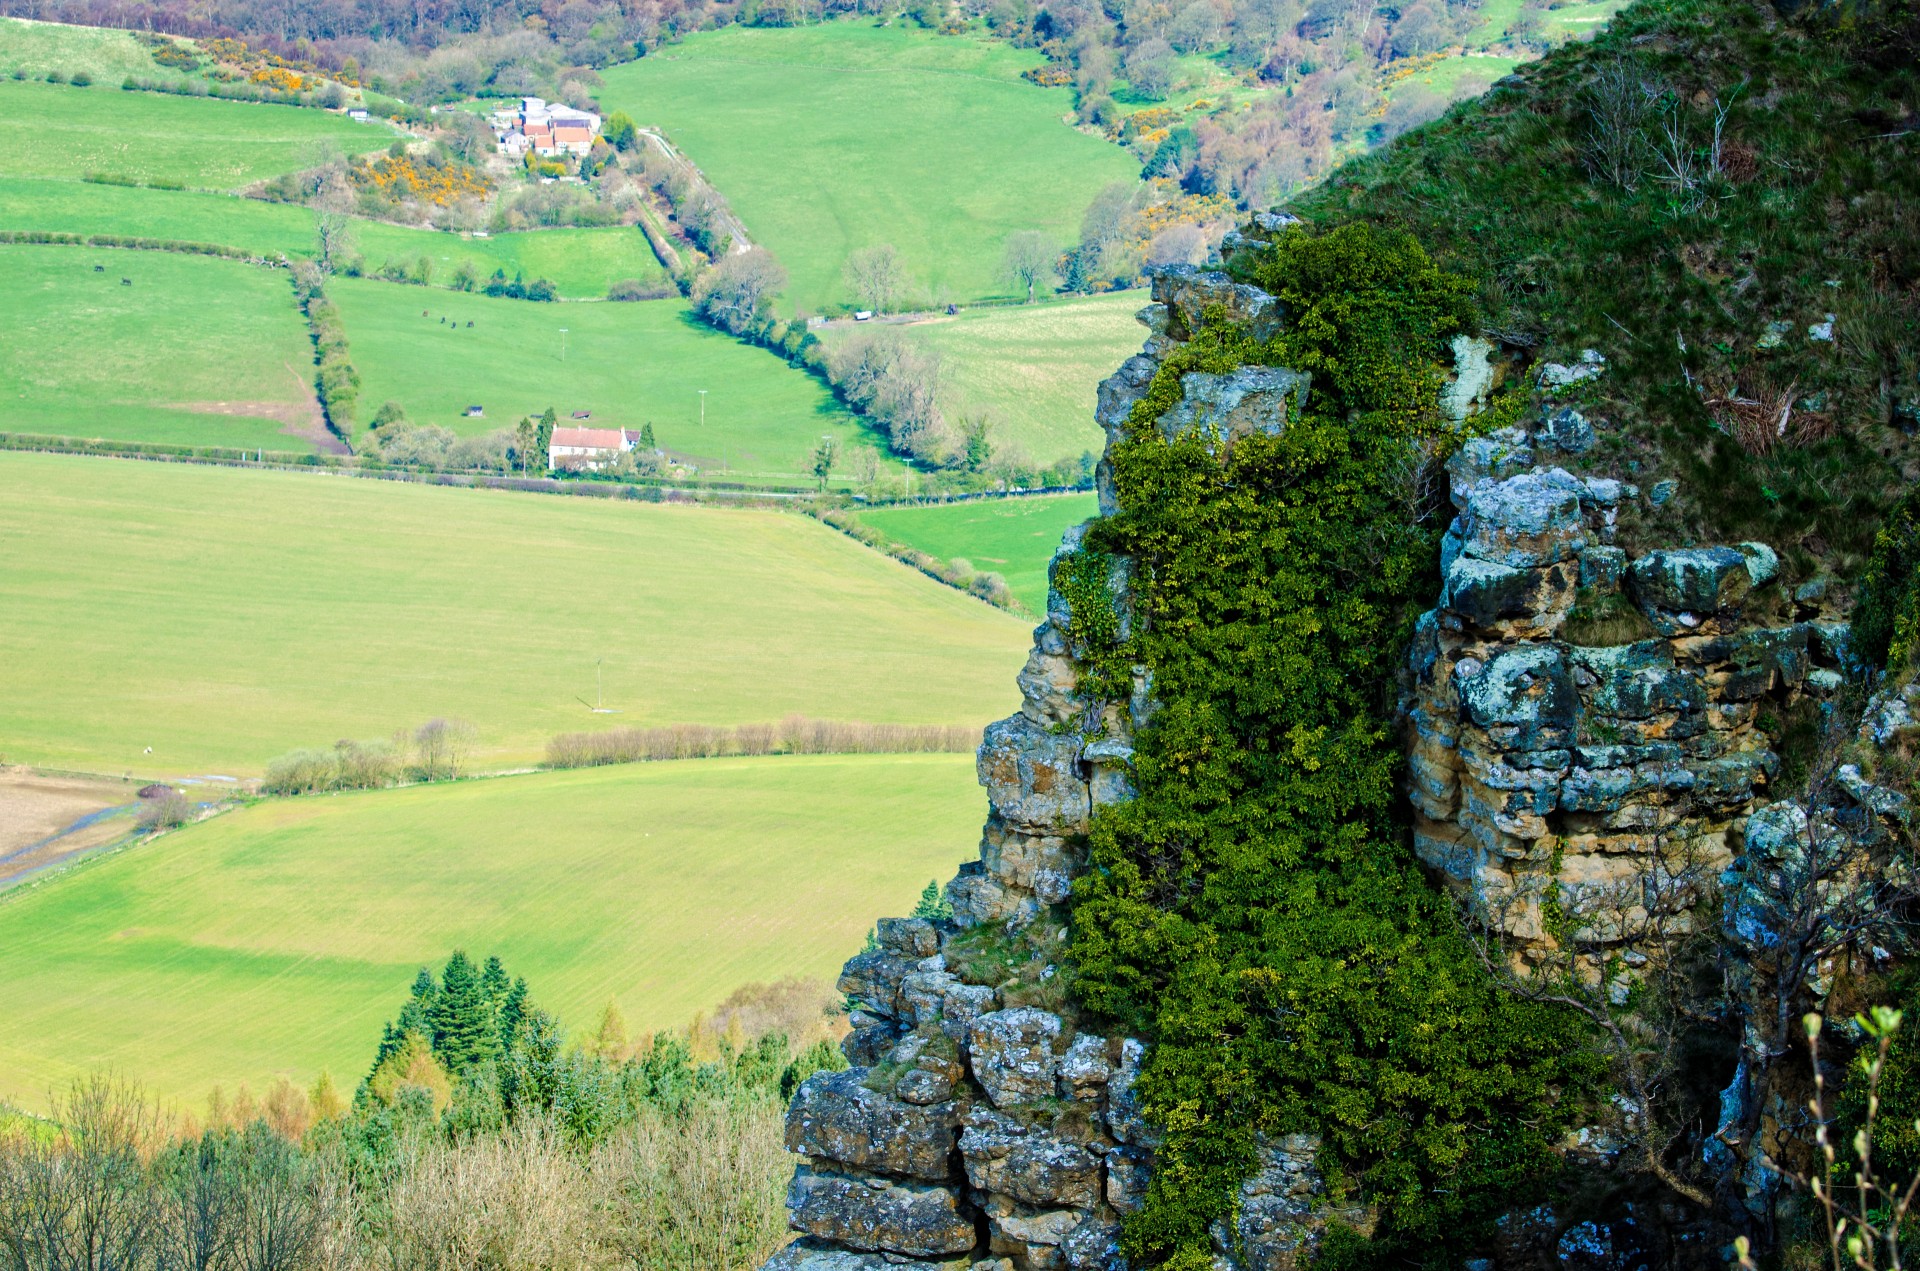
{"x": 1028, "y": 1163}
{"x": 865, "y": 1212}
{"x": 815, "y": 1255}
{"x": 1123, "y": 1106}
{"x": 1013, "y": 1055}
{"x": 1280, "y": 1219}
{"x": 1465, "y": 391}
{"x": 1225, "y": 408}
{"x": 1085, "y": 1068}
{"x": 835, "y": 1117}
{"x": 1525, "y": 521}
{"x": 1189, "y": 292}
{"x": 1691, "y": 590}
{"x": 1032, "y": 776}
{"x": 1032, "y": 1236}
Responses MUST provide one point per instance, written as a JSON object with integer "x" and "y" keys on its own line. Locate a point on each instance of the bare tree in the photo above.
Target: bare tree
{"x": 1619, "y": 106}
{"x": 336, "y": 240}
{"x": 1029, "y": 261}
{"x": 877, "y": 277}
{"x": 731, "y": 293}
{"x": 441, "y": 747}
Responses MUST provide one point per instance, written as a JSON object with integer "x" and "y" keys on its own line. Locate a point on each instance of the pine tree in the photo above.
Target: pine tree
{"x": 513, "y": 1015}
{"x": 463, "y": 1025}
{"x": 932, "y": 904}
{"x": 543, "y": 435}
{"x": 646, "y": 437}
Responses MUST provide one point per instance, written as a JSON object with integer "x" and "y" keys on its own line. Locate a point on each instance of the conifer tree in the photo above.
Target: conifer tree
{"x": 463, "y": 1026}
{"x": 646, "y": 436}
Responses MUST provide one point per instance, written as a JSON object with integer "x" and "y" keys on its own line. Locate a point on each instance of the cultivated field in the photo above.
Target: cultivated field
{"x": 60, "y": 131}
{"x": 1014, "y": 538}
{"x": 45, "y": 819}
{"x": 1032, "y": 369}
{"x": 191, "y": 350}
{"x": 279, "y": 938}
{"x": 223, "y": 616}
{"x": 783, "y": 122}
{"x": 625, "y": 364}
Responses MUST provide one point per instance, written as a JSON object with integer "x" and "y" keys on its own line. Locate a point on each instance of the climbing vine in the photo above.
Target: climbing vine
{"x": 1257, "y": 912}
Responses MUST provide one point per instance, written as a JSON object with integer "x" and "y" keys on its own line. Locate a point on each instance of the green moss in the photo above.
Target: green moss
{"x": 1257, "y": 912}
{"x": 1886, "y": 619}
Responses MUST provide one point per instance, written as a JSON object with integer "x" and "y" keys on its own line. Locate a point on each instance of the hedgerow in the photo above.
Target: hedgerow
{"x": 1257, "y": 912}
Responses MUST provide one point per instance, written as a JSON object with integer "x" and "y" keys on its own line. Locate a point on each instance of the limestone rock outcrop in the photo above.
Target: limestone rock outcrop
{"x": 1587, "y": 726}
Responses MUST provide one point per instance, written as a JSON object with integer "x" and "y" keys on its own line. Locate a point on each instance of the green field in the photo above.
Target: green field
{"x": 783, "y": 122}
{"x": 581, "y": 262}
{"x": 1032, "y": 369}
{"x": 107, "y": 55}
{"x": 1014, "y": 538}
{"x": 197, "y": 351}
{"x": 278, "y": 939}
{"x": 625, "y": 364}
{"x": 221, "y": 616}
{"x": 60, "y": 131}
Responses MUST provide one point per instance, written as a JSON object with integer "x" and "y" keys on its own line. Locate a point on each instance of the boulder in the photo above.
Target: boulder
{"x": 815, "y": 1255}
{"x": 1690, "y": 590}
{"x": 1465, "y": 393}
{"x": 1124, "y": 1118}
{"x": 1032, "y": 776}
{"x": 1030, "y": 1164}
{"x": 1526, "y": 521}
{"x": 1084, "y": 1069}
{"x": 1225, "y": 408}
{"x": 835, "y": 1117}
{"x": 1189, "y": 292}
{"x": 1013, "y": 1055}
{"x": 866, "y": 1213}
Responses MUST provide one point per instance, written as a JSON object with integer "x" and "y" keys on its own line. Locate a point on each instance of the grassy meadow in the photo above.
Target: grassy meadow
{"x": 1013, "y": 537}
{"x": 197, "y": 351}
{"x": 582, "y": 263}
{"x": 222, "y": 616}
{"x": 279, "y": 938}
{"x": 1032, "y": 369}
{"x": 108, "y": 55}
{"x": 782, "y": 121}
{"x": 627, "y": 364}
{"x": 62, "y": 131}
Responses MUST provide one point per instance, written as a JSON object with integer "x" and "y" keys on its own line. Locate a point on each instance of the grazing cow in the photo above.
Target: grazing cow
{"x": 126, "y": 282}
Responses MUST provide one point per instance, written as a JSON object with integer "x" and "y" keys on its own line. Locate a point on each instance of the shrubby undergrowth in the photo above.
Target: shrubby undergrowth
{"x": 1257, "y": 911}
{"x": 479, "y": 1138}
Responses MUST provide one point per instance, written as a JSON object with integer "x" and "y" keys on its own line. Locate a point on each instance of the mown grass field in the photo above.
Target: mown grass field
{"x": 580, "y": 262}
{"x": 198, "y": 351}
{"x": 108, "y": 55}
{"x": 1032, "y": 369}
{"x": 627, "y": 364}
{"x": 279, "y": 938}
{"x": 222, "y": 616}
{"x": 61, "y": 131}
{"x": 835, "y": 137}
{"x": 1014, "y": 537}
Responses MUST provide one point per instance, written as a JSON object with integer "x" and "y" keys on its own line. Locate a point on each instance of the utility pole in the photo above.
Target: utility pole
{"x": 703, "y": 407}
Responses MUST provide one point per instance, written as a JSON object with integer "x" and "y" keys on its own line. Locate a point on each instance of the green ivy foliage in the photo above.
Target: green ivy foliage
{"x": 1886, "y": 618}
{"x": 1257, "y": 912}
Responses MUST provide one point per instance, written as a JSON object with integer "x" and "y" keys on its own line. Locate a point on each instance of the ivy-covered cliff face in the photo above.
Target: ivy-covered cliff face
{"x": 1445, "y": 775}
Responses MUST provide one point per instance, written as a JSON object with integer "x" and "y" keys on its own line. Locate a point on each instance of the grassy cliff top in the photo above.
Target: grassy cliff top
{"x": 1697, "y": 194}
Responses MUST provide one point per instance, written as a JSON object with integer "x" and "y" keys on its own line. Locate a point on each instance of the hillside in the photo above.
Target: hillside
{"x": 278, "y": 938}
{"x": 782, "y": 122}
{"x": 221, "y": 617}
{"x": 1696, "y": 195}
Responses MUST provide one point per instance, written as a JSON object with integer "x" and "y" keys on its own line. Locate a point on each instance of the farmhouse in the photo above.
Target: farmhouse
{"x": 544, "y": 128}
{"x": 588, "y": 448}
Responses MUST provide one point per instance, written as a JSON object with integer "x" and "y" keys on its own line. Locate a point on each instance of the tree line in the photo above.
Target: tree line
{"x": 479, "y": 1137}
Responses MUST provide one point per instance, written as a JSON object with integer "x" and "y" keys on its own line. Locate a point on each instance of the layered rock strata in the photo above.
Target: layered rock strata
{"x": 1585, "y": 726}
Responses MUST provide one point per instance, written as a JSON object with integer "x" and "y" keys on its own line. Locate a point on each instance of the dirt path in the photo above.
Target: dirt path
{"x": 45, "y": 820}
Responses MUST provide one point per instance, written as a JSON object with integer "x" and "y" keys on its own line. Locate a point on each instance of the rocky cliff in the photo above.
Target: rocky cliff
{"x": 1593, "y": 734}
